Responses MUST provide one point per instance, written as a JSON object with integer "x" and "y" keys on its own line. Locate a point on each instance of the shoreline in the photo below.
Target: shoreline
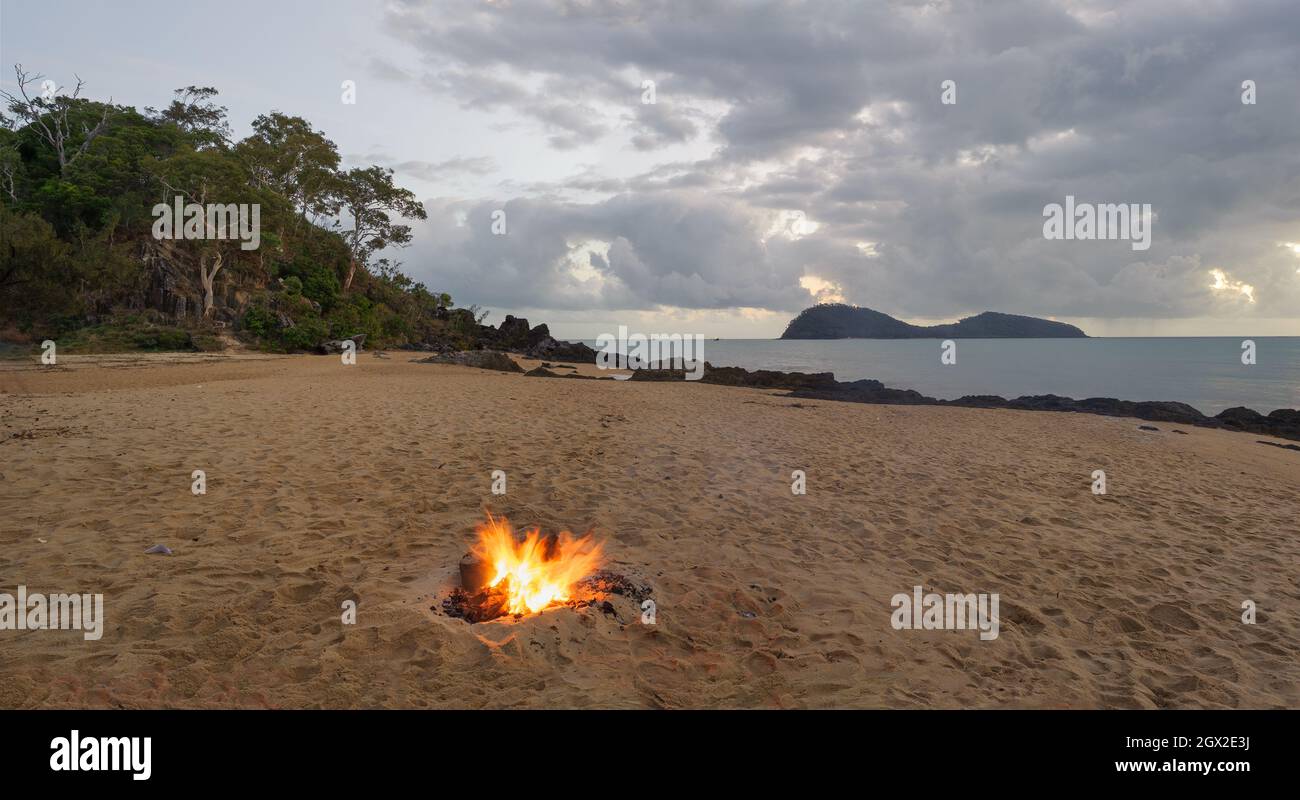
{"x": 1282, "y": 423}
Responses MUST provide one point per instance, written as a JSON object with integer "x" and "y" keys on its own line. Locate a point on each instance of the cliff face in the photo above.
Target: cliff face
{"x": 836, "y": 321}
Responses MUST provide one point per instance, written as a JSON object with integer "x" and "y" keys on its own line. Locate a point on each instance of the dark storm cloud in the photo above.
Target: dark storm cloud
{"x": 922, "y": 209}
{"x": 538, "y": 262}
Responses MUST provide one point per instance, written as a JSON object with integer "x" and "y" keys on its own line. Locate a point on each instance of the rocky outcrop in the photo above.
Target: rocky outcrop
{"x": 865, "y": 391}
{"x": 336, "y": 345}
{"x": 482, "y": 359}
{"x": 1284, "y": 423}
{"x": 516, "y": 336}
{"x": 553, "y": 350}
{"x": 839, "y": 321}
{"x": 543, "y": 372}
{"x": 736, "y": 376}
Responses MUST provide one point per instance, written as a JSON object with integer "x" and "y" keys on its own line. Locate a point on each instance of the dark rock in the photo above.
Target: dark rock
{"x": 336, "y": 345}
{"x": 550, "y": 349}
{"x": 1044, "y": 402}
{"x": 1285, "y": 416}
{"x": 981, "y": 401}
{"x": 864, "y": 391}
{"x": 482, "y": 359}
{"x": 429, "y": 347}
{"x": 1241, "y": 417}
{"x": 536, "y": 336}
{"x": 1159, "y": 411}
{"x": 512, "y": 332}
{"x": 1282, "y": 422}
{"x": 766, "y": 378}
{"x": 1148, "y": 428}
{"x": 737, "y": 376}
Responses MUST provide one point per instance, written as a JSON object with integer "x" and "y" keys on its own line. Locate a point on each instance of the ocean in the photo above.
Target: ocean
{"x": 1206, "y": 373}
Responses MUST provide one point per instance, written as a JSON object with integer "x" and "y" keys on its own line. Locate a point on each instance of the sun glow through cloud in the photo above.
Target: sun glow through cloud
{"x": 823, "y": 291}
{"x": 1224, "y": 283}
{"x": 1294, "y": 247}
{"x": 792, "y": 224}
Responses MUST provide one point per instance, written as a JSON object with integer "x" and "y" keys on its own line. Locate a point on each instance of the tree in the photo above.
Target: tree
{"x": 33, "y": 266}
{"x": 80, "y": 243}
{"x": 368, "y": 196}
{"x": 205, "y": 177}
{"x": 200, "y": 119}
{"x": 51, "y": 116}
{"x": 10, "y": 161}
{"x": 290, "y": 157}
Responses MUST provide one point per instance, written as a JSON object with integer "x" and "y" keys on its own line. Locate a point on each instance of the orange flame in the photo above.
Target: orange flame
{"x": 538, "y": 571}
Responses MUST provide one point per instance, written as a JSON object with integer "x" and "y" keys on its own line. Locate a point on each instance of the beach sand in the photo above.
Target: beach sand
{"x": 328, "y": 483}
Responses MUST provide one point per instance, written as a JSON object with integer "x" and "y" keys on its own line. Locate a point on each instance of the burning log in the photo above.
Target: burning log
{"x": 478, "y": 606}
{"x": 510, "y": 574}
{"x": 506, "y": 573}
{"x": 475, "y": 572}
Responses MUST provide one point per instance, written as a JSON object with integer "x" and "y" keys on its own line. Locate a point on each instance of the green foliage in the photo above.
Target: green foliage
{"x": 34, "y": 267}
{"x": 127, "y": 331}
{"x": 164, "y": 339}
{"x": 304, "y": 335}
{"x": 317, "y": 278}
{"x": 77, "y": 244}
{"x": 259, "y": 322}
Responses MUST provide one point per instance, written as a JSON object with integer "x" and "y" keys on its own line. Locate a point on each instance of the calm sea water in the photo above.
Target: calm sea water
{"x": 1204, "y": 372}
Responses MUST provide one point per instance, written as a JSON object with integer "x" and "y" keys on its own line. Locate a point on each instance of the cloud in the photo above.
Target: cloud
{"x": 678, "y": 249}
{"x": 833, "y": 110}
{"x": 432, "y": 171}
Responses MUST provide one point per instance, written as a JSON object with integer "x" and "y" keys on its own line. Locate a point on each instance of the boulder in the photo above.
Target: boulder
{"x": 738, "y": 376}
{"x": 536, "y": 336}
{"x": 1284, "y": 416}
{"x": 982, "y": 401}
{"x": 336, "y": 345}
{"x": 549, "y": 349}
{"x": 512, "y": 332}
{"x": 864, "y": 391}
{"x": 1157, "y": 411}
{"x": 1283, "y": 422}
{"x": 1044, "y": 402}
{"x": 482, "y": 359}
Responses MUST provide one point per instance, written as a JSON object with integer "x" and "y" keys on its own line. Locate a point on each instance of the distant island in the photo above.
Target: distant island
{"x": 840, "y": 321}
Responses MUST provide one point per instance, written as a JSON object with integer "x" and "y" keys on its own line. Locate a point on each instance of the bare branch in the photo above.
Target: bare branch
{"x": 58, "y": 130}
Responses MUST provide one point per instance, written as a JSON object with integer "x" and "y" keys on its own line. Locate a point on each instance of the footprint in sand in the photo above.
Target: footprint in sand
{"x": 1167, "y": 617}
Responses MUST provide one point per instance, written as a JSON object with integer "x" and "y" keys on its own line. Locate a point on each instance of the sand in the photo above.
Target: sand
{"x": 329, "y": 483}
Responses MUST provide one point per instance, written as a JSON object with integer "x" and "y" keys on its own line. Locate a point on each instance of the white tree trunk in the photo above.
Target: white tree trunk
{"x": 208, "y": 279}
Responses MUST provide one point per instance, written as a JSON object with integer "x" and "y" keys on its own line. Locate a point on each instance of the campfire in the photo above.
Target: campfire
{"x": 509, "y": 573}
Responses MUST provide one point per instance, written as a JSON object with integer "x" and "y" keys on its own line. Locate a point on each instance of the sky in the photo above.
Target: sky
{"x": 794, "y": 152}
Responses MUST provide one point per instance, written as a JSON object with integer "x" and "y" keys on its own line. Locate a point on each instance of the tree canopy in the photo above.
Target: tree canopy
{"x": 79, "y": 183}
